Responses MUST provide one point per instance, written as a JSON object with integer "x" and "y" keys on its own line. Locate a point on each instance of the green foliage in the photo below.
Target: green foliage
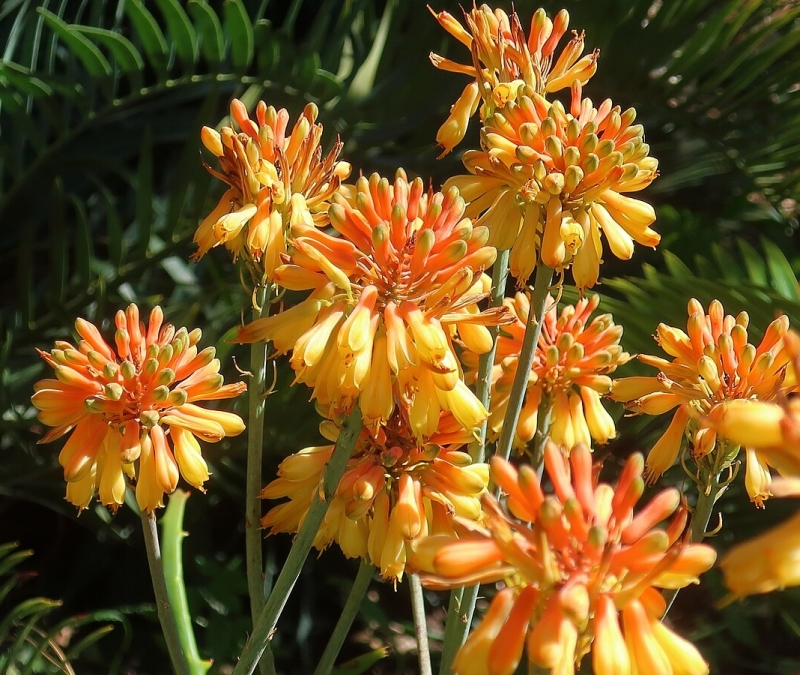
{"x": 30, "y": 641}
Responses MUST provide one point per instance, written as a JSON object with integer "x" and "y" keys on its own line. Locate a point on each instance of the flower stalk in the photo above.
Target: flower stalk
{"x": 255, "y": 439}
{"x": 349, "y": 611}
{"x": 541, "y": 287}
{"x": 420, "y": 626}
{"x": 263, "y": 630}
{"x": 462, "y": 600}
{"x": 172, "y": 526}
{"x": 165, "y": 609}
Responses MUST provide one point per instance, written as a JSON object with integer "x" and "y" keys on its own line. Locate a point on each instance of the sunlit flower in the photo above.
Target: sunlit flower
{"x": 548, "y": 181}
{"x": 274, "y": 178}
{"x": 505, "y": 61}
{"x": 393, "y": 491}
{"x": 570, "y": 372}
{"x": 713, "y": 365}
{"x": 388, "y": 297}
{"x": 132, "y": 409}
{"x": 581, "y": 571}
{"x": 768, "y": 562}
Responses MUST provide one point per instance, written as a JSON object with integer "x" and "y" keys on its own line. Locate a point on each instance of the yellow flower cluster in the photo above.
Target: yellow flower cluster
{"x": 570, "y": 372}
{"x": 503, "y": 59}
{"x": 274, "y": 178}
{"x": 132, "y": 409}
{"x": 389, "y": 294}
{"x": 393, "y": 491}
{"x": 580, "y": 571}
{"x": 713, "y": 364}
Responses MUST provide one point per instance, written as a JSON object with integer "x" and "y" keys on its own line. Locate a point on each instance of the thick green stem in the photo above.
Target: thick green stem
{"x": 262, "y": 632}
{"x": 420, "y": 624}
{"x": 165, "y": 611}
{"x": 483, "y": 385}
{"x": 173, "y": 535}
{"x": 351, "y": 607}
{"x": 255, "y": 441}
{"x": 543, "y": 418}
{"x": 462, "y": 600}
{"x": 255, "y": 437}
{"x": 533, "y": 329}
{"x": 706, "y": 498}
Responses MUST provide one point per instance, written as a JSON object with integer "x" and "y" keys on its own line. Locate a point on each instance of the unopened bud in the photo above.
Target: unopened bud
{"x": 113, "y": 391}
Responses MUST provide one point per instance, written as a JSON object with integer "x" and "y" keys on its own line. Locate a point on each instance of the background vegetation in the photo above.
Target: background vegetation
{"x": 102, "y": 187}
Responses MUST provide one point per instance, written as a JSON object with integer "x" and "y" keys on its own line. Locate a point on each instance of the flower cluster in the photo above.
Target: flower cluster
{"x": 712, "y": 365}
{"x": 274, "y": 179}
{"x": 548, "y": 181}
{"x": 388, "y": 296}
{"x": 580, "y": 571}
{"x": 503, "y": 59}
{"x": 132, "y": 409}
{"x": 393, "y": 491}
{"x": 570, "y": 371}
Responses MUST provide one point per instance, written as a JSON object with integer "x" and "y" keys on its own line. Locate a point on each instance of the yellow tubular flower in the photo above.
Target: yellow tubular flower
{"x": 275, "y": 178}
{"x": 505, "y": 61}
{"x": 571, "y": 368}
{"x": 394, "y": 491}
{"x": 581, "y": 571}
{"x": 722, "y": 387}
{"x": 765, "y": 563}
{"x": 390, "y": 295}
{"x": 131, "y": 409}
{"x": 548, "y": 181}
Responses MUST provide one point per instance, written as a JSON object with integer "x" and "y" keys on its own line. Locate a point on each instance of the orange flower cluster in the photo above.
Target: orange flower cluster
{"x": 132, "y": 409}
{"x": 580, "y": 571}
{"x": 548, "y": 181}
{"x": 712, "y": 365}
{"x": 393, "y": 491}
{"x": 570, "y": 371}
{"x": 274, "y": 179}
{"x": 388, "y": 296}
{"x": 503, "y": 59}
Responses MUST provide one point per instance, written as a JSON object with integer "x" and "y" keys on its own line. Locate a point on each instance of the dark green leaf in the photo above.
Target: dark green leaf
{"x": 783, "y": 279}
{"x": 148, "y": 31}
{"x": 181, "y": 30}
{"x": 210, "y": 29}
{"x": 128, "y": 57}
{"x": 239, "y": 30}
{"x": 92, "y": 58}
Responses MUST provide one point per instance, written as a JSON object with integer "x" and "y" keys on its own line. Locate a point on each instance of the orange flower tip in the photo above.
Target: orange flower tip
{"x": 466, "y": 557}
{"x": 748, "y": 422}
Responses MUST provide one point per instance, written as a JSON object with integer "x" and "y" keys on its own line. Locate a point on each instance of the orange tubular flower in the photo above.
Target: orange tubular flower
{"x": 580, "y": 570}
{"x": 274, "y": 179}
{"x": 713, "y": 366}
{"x": 503, "y": 60}
{"x": 388, "y": 297}
{"x": 132, "y": 409}
{"x": 548, "y": 181}
{"x": 570, "y": 372}
{"x": 394, "y": 491}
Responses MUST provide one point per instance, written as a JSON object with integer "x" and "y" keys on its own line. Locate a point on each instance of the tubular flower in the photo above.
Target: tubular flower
{"x": 505, "y": 60}
{"x": 712, "y": 366}
{"x": 132, "y": 409}
{"x": 274, "y": 179}
{"x": 393, "y": 491}
{"x": 768, "y": 562}
{"x": 570, "y": 372}
{"x": 548, "y": 181}
{"x": 388, "y": 296}
{"x": 580, "y": 571}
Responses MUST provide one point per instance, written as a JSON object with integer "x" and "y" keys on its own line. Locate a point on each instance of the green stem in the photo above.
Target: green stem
{"x": 706, "y": 498}
{"x": 543, "y": 418}
{"x": 533, "y": 329}
{"x": 173, "y": 535}
{"x": 483, "y": 386}
{"x": 462, "y": 600}
{"x": 165, "y": 611}
{"x": 262, "y": 632}
{"x": 351, "y": 607}
{"x": 255, "y": 439}
{"x": 420, "y": 624}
